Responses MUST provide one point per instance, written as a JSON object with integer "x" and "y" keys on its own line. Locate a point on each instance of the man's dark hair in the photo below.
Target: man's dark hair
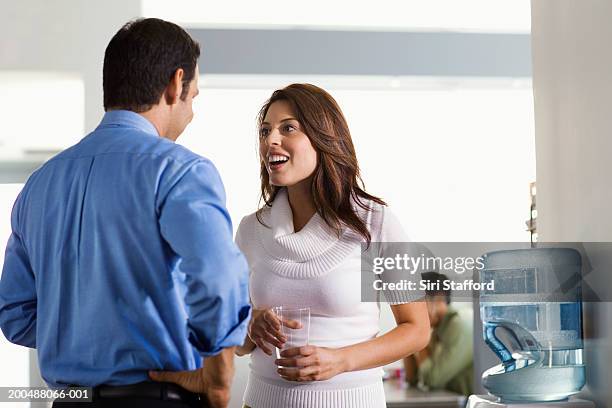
{"x": 439, "y": 278}
{"x": 141, "y": 59}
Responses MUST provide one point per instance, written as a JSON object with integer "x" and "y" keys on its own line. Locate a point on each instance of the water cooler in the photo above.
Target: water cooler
{"x": 532, "y": 320}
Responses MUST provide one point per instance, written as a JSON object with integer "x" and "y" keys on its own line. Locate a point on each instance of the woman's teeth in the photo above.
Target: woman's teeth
{"x": 277, "y": 159}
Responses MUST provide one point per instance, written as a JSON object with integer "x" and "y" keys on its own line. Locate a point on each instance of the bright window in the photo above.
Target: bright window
{"x": 453, "y": 159}
{"x": 41, "y": 111}
{"x": 464, "y": 15}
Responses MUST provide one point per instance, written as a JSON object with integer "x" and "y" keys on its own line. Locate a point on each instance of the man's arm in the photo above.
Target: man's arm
{"x": 18, "y": 291}
{"x": 196, "y": 225}
{"x": 218, "y": 375}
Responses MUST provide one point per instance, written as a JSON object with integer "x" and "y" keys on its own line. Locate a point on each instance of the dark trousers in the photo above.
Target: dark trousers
{"x": 141, "y": 395}
{"x": 127, "y": 403}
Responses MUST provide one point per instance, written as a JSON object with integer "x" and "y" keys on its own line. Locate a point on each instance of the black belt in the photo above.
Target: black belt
{"x": 147, "y": 390}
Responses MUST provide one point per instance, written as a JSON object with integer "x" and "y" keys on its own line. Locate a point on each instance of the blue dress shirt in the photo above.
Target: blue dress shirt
{"x": 121, "y": 260}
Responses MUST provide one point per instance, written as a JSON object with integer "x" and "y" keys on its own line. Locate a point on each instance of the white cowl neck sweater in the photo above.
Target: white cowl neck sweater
{"x": 313, "y": 268}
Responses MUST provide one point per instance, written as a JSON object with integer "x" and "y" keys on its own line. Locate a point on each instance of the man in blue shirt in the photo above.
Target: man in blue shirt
{"x": 121, "y": 258}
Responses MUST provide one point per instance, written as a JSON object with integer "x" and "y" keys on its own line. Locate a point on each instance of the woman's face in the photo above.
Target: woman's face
{"x": 284, "y": 148}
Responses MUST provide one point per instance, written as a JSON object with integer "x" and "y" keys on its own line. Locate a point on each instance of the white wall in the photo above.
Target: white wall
{"x": 63, "y": 36}
{"x": 572, "y": 80}
{"x": 53, "y": 119}
{"x": 465, "y": 15}
{"x": 449, "y": 159}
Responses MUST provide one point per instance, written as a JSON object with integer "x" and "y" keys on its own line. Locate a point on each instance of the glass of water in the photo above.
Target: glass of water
{"x": 295, "y": 337}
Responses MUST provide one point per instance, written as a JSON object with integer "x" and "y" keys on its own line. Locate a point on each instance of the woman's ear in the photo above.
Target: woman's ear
{"x": 174, "y": 89}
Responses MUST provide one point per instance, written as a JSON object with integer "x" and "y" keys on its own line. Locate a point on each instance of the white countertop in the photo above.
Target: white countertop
{"x": 400, "y": 395}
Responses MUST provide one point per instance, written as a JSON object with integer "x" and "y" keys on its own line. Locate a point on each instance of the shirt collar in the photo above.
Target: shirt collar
{"x": 126, "y": 118}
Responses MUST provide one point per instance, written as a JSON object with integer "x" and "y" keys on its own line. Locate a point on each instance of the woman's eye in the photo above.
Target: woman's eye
{"x": 264, "y": 132}
{"x": 289, "y": 128}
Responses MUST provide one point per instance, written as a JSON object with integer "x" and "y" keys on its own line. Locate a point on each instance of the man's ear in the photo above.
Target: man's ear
{"x": 175, "y": 87}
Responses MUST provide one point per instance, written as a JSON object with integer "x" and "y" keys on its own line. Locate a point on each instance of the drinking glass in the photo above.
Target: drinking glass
{"x": 295, "y": 337}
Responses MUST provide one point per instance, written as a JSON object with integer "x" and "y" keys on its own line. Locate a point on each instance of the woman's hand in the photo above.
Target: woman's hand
{"x": 246, "y": 348}
{"x": 311, "y": 363}
{"x": 265, "y": 330}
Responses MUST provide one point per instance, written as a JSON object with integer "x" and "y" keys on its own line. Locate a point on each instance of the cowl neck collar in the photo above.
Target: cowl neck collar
{"x": 310, "y": 252}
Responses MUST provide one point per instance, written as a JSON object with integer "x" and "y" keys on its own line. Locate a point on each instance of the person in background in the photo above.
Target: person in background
{"x": 121, "y": 258}
{"x": 447, "y": 362}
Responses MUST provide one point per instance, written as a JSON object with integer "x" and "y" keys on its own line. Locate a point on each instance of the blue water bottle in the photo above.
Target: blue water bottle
{"x": 532, "y": 321}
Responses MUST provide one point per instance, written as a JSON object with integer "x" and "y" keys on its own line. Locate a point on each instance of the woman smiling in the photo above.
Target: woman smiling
{"x": 304, "y": 251}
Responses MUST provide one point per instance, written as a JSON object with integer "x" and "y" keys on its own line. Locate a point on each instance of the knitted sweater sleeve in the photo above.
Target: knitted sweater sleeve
{"x": 395, "y": 241}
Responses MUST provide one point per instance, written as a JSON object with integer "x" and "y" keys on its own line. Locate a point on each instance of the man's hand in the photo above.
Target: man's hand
{"x": 195, "y": 381}
{"x": 213, "y": 380}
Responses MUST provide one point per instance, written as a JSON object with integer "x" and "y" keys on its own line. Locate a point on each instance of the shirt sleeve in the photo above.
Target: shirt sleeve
{"x": 240, "y": 231}
{"x": 195, "y": 223}
{"x": 395, "y": 241}
{"x": 242, "y": 239}
{"x": 391, "y": 228}
{"x": 18, "y": 291}
{"x": 450, "y": 356}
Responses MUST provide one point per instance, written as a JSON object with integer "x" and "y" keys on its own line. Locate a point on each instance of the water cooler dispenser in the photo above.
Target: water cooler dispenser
{"x": 532, "y": 321}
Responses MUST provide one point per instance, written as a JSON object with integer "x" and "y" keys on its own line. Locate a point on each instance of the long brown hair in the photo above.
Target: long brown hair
{"x": 336, "y": 182}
